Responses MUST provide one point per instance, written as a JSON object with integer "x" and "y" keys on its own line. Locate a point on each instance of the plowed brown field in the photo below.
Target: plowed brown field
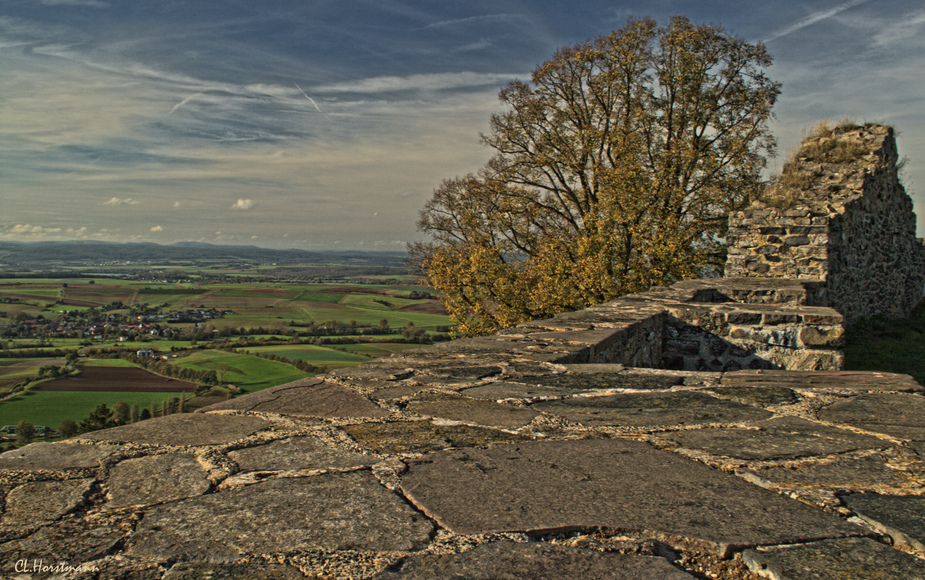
{"x": 116, "y": 379}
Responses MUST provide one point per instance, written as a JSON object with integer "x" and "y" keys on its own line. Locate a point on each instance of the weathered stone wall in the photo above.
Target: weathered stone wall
{"x": 721, "y": 324}
{"x": 840, "y": 217}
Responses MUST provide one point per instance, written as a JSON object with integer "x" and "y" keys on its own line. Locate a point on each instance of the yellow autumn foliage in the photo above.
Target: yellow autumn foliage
{"x": 613, "y": 171}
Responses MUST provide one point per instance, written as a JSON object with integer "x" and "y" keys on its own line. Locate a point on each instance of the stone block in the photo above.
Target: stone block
{"x": 56, "y": 456}
{"x": 838, "y": 558}
{"x": 71, "y": 540}
{"x": 651, "y": 409}
{"x": 796, "y": 240}
{"x": 307, "y": 397}
{"x": 323, "y": 512}
{"x": 183, "y": 429}
{"x": 260, "y": 571}
{"x": 777, "y": 318}
{"x": 900, "y": 517}
{"x": 834, "y": 474}
{"x": 155, "y": 479}
{"x": 537, "y": 561}
{"x": 587, "y": 484}
{"x": 402, "y": 437}
{"x": 757, "y": 267}
{"x": 775, "y": 439}
{"x": 898, "y": 415}
{"x": 476, "y": 411}
{"x": 743, "y": 317}
{"x": 821, "y": 336}
{"x": 296, "y": 453}
{"x": 34, "y": 503}
{"x": 772, "y": 230}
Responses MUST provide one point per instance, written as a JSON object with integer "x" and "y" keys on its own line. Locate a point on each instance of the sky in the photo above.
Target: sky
{"x": 327, "y": 124}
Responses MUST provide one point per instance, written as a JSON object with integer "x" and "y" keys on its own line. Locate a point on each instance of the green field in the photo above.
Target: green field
{"x": 49, "y": 408}
{"x": 254, "y": 305}
{"x": 267, "y": 311}
{"x": 250, "y": 373}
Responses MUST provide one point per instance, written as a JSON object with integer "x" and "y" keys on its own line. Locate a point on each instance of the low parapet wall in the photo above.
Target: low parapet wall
{"x": 722, "y": 324}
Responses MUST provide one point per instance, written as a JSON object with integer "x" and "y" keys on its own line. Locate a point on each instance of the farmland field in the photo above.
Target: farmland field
{"x": 44, "y": 319}
{"x": 50, "y": 408}
{"x": 247, "y": 372}
{"x": 127, "y": 379}
{"x": 252, "y": 304}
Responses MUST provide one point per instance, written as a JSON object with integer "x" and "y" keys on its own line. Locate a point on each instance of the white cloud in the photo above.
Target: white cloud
{"x": 428, "y": 82}
{"x": 910, "y": 28}
{"x": 157, "y": 229}
{"x": 477, "y": 20}
{"x": 244, "y": 204}
{"x": 177, "y": 204}
{"x": 115, "y": 201}
{"x": 814, "y": 18}
{"x": 30, "y": 229}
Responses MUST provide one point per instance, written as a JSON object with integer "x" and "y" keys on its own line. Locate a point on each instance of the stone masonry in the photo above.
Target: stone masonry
{"x": 553, "y": 449}
{"x": 703, "y": 430}
{"x": 846, "y": 222}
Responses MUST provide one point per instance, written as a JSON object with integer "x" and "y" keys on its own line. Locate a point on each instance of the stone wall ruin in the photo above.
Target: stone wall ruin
{"x": 838, "y": 215}
{"x": 832, "y": 241}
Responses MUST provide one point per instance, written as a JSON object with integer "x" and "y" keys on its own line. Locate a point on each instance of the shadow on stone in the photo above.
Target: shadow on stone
{"x": 508, "y": 560}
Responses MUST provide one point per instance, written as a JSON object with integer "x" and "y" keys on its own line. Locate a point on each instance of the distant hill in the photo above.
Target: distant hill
{"x": 37, "y": 254}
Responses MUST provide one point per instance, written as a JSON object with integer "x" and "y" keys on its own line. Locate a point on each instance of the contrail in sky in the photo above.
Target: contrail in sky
{"x": 814, "y": 18}
{"x": 317, "y": 108}
{"x": 183, "y": 102}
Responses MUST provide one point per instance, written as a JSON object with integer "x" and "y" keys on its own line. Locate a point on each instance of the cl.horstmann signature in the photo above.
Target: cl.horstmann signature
{"x": 39, "y": 566}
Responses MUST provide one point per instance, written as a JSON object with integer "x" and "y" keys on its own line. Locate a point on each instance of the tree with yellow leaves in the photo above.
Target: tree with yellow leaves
{"x": 613, "y": 171}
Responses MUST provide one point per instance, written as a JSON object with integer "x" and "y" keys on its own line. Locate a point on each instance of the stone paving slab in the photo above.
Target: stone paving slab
{"x": 155, "y": 479}
{"x": 899, "y": 415}
{"x": 900, "y": 517}
{"x": 184, "y": 429}
{"x": 424, "y": 436}
{"x": 849, "y": 558}
{"x": 759, "y": 395}
{"x": 590, "y": 381}
{"x": 842, "y": 380}
{"x": 861, "y": 474}
{"x": 306, "y": 397}
{"x": 536, "y": 561}
{"x": 591, "y": 337}
{"x": 777, "y": 438}
{"x": 323, "y": 512}
{"x": 472, "y": 411}
{"x": 298, "y": 453}
{"x": 465, "y": 373}
{"x": 391, "y": 393}
{"x": 652, "y": 409}
{"x": 43, "y": 501}
{"x": 201, "y": 571}
{"x": 616, "y": 484}
{"x": 69, "y": 541}
{"x": 56, "y": 456}
{"x": 514, "y": 390}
